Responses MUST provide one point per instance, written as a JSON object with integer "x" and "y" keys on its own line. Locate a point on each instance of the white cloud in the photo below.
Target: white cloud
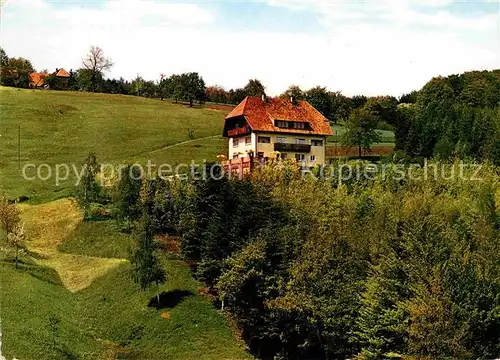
{"x": 392, "y": 47}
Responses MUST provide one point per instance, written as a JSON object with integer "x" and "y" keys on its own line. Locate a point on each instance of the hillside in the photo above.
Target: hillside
{"x": 62, "y": 127}
{"x": 101, "y": 314}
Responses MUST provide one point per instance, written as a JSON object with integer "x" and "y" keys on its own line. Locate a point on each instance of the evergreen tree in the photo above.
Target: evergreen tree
{"x": 146, "y": 267}
{"x": 88, "y": 191}
{"x": 127, "y": 193}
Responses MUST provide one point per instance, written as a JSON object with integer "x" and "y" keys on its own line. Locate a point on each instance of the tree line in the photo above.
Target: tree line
{"x": 188, "y": 87}
{"x": 453, "y": 117}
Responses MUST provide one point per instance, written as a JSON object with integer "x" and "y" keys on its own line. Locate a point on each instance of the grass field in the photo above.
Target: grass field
{"x": 108, "y": 317}
{"x": 62, "y": 127}
{"x": 386, "y": 137}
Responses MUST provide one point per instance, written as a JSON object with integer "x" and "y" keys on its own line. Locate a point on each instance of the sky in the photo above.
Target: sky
{"x": 371, "y": 47}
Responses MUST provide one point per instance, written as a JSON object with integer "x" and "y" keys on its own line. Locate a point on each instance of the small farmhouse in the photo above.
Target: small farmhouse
{"x": 274, "y": 127}
{"x": 39, "y": 79}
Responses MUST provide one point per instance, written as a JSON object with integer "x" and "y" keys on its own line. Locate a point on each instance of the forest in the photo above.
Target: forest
{"x": 325, "y": 269}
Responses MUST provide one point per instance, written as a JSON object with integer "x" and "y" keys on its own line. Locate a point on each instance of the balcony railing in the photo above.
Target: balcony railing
{"x": 239, "y": 131}
{"x": 292, "y": 147}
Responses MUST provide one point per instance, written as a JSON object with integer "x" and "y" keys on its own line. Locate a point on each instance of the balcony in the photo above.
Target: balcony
{"x": 292, "y": 147}
{"x": 239, "y": 131}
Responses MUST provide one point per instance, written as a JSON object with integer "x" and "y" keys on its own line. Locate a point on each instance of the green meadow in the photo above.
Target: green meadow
{"x": 74, "y": 298}
{"x": 59, "y": 127}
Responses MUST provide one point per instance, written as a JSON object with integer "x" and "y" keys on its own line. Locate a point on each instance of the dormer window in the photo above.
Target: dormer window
{"x": 282, "y": 124}
{"x": 297, "y": 125}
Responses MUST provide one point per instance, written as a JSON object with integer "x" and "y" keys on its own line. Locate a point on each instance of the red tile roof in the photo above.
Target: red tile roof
{"x": 62, "y": 73}
{"x": 260, "y": 115}
{"x": 37, "y": 79}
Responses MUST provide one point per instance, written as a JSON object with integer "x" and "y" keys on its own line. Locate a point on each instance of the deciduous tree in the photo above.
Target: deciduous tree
{"x": 293, "y": 92}
{"x": 16, "y": 239}
{"x": 254, "y": 88}
{"x": 361, "y": 130}
{"x": 97, "y": 63}
{"x": 9, "y": 216}
{"x": 192, "y": 87}
{"x": 319, "y": 98}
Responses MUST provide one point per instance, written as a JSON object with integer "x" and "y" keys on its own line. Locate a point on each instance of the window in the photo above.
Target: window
{"x": 264, "y": 139}
{"x": 260, "y": 155}
{"x": 236, "y": 142}
{"x": 248, "y": 140}
{"x": 235, "y": 156}
{"x": 313, "y": 158}
{"x": 281, "y": 124}
{"x": 300, "y": 157}
{"x": 299, "y": 125}
{"x": 317, "y": 142}
{"x": 283, "y": 156}
{"x": 300, "y": 141}
{"x": 281, "y": 139}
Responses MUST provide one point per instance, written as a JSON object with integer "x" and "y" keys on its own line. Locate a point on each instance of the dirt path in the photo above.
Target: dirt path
{"x": 47, "y": 226}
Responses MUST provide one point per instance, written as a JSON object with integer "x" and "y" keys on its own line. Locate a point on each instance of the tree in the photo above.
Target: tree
{"x": 384, "y": 107}
{"x": 83, "y": 80}
{"x": 54, "y": 326}
{"x": 410, "y": 98}
{"x": 88, "y": 190}
{"x": 147, "y": 269}
{"x": 340, "y": 107}
{"x": 126, "y": 196}
{"x": 10, "y": 222}
{"x": 20, "y": 64}
{"x": 358, "y": 101}
{"x": 16, "y": 239}
{"x": 150, "y": 89}
{"x": 96, "y": 63}
{"x": 16, "y": 72}
{"x": 191, "y": 87}
{"x": 293, "y": 92}
{"x": 319, "y": 98}
{"x": 9, "y": 216}
{"x": 361, "y": 130}
{"x": 254, "y": 88}
{"x": 217, "y": 94}
{"x": 137, "y": 85}
{"x": 4, "y": 59}
{"x": 236, "y": 96}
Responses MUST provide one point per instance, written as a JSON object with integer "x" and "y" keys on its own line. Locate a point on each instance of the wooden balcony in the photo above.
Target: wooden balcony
{"x": 239, "y": 131}
{"x": 300, "y": 148}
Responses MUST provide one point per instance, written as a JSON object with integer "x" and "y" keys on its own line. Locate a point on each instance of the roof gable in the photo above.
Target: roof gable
{"x": 261, "y": 114}
{"x": 62, "y": 73}
{"x": 37, "y": 79}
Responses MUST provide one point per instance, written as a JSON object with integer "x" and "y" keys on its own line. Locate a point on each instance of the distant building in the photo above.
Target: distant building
{"x": 273, "y": 127}
{"x": 39, "y": 79}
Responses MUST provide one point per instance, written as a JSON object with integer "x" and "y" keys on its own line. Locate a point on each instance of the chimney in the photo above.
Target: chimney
{"x": 291, "y": 100}
{"x": 263, "y": 97}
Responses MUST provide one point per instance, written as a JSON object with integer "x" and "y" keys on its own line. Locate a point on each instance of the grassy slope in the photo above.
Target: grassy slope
{"x": 98, "y": 239}
{"x": 110, "y": 318}
{"x": 62, "y": 127}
